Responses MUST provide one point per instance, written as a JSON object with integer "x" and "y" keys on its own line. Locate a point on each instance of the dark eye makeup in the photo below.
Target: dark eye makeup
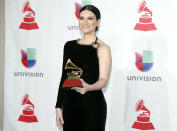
{"x": 89, "y": 18}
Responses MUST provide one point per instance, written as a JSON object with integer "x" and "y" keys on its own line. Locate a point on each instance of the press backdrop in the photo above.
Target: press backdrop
{"x": 142, "y": 89}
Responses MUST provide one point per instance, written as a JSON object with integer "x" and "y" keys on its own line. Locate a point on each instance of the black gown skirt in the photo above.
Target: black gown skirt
{"x": 82, "y": 112}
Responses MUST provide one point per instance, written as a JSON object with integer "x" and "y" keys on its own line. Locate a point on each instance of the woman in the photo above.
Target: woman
{"x": 84, "y": 108}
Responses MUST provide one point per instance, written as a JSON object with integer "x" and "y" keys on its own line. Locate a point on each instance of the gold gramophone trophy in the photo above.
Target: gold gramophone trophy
{"x": 73, "y": 76}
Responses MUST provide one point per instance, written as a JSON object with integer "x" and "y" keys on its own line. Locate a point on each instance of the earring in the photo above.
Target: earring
{"x": 97, "y": 28}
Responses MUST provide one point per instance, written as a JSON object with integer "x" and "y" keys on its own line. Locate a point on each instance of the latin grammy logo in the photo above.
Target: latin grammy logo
{"x": 28, "y": 112}
{"x": 143, "y": 120}
{"x": 145, "y": 20}
{"x": 29, "y": 19}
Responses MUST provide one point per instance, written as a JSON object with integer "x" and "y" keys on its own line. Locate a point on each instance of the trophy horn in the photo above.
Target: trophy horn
{"x": 71, "y": 65}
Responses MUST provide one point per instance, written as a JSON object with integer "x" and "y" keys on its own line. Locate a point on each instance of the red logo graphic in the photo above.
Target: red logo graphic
{"x": 28, "y": 111}
{"x": 78, "y": 6}
{"x": 145, "y": 20}
{"x": 143, "y": 120}
{"x": 29, "y": 19}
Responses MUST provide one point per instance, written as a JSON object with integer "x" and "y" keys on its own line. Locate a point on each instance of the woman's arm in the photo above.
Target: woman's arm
{"x": 60, "y": 96}
{"x": 105, "y": 63}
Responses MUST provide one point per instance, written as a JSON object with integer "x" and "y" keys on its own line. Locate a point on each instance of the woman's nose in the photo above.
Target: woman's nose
{"x": 85, "y": 21}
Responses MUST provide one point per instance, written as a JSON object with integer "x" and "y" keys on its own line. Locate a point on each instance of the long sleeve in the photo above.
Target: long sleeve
{"x": 61, "y": 93}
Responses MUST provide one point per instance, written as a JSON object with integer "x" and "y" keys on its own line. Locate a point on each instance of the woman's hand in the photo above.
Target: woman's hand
{"x": 82, "y": 90}
{"x": 59, "y": 117}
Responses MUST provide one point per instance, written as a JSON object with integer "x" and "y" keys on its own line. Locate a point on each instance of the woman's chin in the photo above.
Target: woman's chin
{"x": 87, "y": 31}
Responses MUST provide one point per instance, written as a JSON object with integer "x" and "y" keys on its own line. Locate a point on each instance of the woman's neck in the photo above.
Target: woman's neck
{"x": 88, "y": 38}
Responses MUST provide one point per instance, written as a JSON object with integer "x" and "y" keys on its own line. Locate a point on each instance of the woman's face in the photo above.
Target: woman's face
{"x": 88, "y": 22}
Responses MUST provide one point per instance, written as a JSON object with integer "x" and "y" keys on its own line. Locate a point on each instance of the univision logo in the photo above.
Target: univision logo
{"x": 28, "y": 58}
{"x": 78, "y": 6}
{"x": 144, "y": 62}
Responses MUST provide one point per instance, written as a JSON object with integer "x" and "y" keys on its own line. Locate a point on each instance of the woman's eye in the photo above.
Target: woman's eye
{"x": 81, "y": 18}
{"x": 90, "y": 18}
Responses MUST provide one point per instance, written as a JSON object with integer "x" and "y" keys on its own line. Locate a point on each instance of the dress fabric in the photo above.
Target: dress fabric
{"x": 82, "y": 112}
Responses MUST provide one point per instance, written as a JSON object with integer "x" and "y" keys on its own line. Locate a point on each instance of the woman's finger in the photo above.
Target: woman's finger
{"x": 61, "y": 123}
{"x": 82, "y": 92}
{"x": 58, "y": 121}
{"x": 83, "y": 82}
{"x": 76, "y": 88}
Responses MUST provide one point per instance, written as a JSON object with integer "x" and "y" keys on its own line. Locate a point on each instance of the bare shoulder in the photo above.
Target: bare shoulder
{"x": 103, "y": 47}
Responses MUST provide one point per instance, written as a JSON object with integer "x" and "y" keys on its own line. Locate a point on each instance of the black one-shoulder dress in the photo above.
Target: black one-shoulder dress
{"x": 82, "y": 112}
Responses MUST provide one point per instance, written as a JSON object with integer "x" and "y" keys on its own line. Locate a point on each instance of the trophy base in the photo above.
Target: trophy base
{"x": 29, "y": 26}
{"x": 143, "y": 126}
{"x": 28, "y": 118}
{"x": 145, "y": 27}
{"x": 69, "y": 83}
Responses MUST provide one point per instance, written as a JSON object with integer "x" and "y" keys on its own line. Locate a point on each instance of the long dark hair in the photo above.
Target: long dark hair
{"x": 94, "y": 10}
